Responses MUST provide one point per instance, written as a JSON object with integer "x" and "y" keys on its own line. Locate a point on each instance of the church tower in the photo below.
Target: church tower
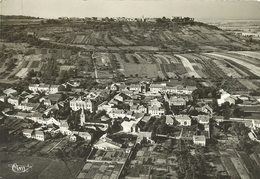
{"x": 82, "y": 117}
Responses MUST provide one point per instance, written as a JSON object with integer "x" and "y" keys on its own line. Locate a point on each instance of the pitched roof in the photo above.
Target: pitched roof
{"x": 39, "y": 133}
{"x": 182, "y": 117}
{"x": 199, "y": 138}
{"x": 9, "y": 91}
{"x": 28, "y": 131}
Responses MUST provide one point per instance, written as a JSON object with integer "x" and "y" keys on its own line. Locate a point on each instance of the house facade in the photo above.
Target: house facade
{"x": 79, "y": 103}
{"x": 183, "y": 120}
{"x": 199, "y": 140}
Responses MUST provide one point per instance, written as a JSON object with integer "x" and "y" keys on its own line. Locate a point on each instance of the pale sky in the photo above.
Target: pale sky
{"x": 216, "y": 9}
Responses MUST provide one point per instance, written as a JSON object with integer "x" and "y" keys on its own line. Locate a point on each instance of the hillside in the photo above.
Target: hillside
{"x": 53, "y": 51}
{"x": 162, "y": 35}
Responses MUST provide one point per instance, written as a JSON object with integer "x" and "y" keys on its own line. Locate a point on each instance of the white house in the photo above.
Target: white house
{"x": 116, "y": 113}
{"x": 184, "y": 120}
{"x": 55, "y": 89}
{"x": 53, "y": 121}
{"x": 64, "y": 128}
{"x": 36, "y": 116}
{"x": 199, "y": 140}
{"x": 39, "y": 135}
{"x": 28, "y": 106}
{"x": 39, "y": 87}
{"x": 256, "y": 124}
{"x": 3, "y": 98}
{"x": 203, "y": 119}
{"x": 207, "y": 109}
{"x": 106, "y": 143}
{"x": 144, "y": 136}
{"x": 14, "y": 100}
{"x": 9, "y": 91}
{"x": 155, "y": 88}
{"x": 154, "y": 110}
{"x": 155, "y": 102}
{"x": 177, "y": 101}
{"x": 85, "y": 135}
{"x": 169, "y": 120}
{"x": 226, "y": 97}
{"x": 79, "y": 103}
{"x": 130, "y": 127}
{"x": 27, "y": 133}
{"x": 105, "y": 106}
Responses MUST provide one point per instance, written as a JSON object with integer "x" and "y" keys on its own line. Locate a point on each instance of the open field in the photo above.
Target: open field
{"x": 239, "y": 167}
{"x": 252, "y": 54}
{"x": 252, "y": 68}
{"x": 142, "y": 70}
{"x": 22, "y": 73}
{"x": 188, "y": 66}
{"x": 163, "y": 65}
{"x": 248, "y": 84}
{"x": 230, "y": 167}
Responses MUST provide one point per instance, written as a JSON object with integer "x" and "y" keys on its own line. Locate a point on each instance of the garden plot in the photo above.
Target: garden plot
{"x": 248, "y": 84}
{"x": 244, "y": 58}
{"x": 249, "y": 54}
{"x": 172, "y": 59}
{"x": 139, "y": 57}
{"x": 102, "y": 59}
{"x": 33, "y": 57}
{"x": 250, "y": 165}
{"x": 209, "y": 67}
{"x": 252, "y": 68}
{"x": 147, "y": 58}
{"x": 149, "y": 48}
{"x": 79, "y": 39}
{"x": 121, "y": 41}
{"x": 108, "y": 39}
{"x": 129, "y": 58}
{"x": 35, "y": 64}
{"x": 118, "y": 58}
{"x": 239, "y": 167}
{"x": 142, "y": 70}
{"x": 162, "y": 58}
{"x": 196, "y": 64}
{"x": 188, "y": 66}
{"x": 230, "y": 167}
{"x": 228, "y": 71}
{"x": 157, "y": 60}
{"x": 22, "y": 73}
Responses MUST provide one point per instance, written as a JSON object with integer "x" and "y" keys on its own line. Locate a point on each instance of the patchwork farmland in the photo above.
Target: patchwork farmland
{"x": 202, "y": 65}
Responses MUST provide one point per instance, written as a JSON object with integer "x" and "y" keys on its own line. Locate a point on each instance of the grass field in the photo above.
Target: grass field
{"x": 252, "y": 68}
{"x": 251, "y": 54}
{"x": 230, "y": 167}
{"x": 142, "y": 70}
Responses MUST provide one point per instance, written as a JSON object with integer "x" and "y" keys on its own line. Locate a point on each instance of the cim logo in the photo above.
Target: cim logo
{"x": 20, "y": 168}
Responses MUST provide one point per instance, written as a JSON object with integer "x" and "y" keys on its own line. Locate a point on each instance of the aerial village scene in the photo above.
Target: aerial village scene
{"x": 129, "y": 98}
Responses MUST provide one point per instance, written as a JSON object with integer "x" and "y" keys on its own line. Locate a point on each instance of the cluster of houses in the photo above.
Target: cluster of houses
{"x": 133, "y": 104}
{"x": 128, "y": 19}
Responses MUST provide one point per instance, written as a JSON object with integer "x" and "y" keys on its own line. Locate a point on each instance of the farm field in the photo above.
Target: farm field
{"x": 231, "y": 170}
{"x": 186, "y": 63}
{"x": 250, "y": 67}
{"x": 170, "y": 66}
{"x": 141, "y": 70}
{"x": 252, "y": 54}
{"x": 239, "y": 167}
{"x": 248, "y": 84}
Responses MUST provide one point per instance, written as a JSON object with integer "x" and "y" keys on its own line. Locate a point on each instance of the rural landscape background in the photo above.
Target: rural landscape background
{"x": 206, "y": 69}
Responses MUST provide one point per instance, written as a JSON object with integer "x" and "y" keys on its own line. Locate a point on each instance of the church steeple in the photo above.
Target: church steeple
{"x": 82, "y": 117}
